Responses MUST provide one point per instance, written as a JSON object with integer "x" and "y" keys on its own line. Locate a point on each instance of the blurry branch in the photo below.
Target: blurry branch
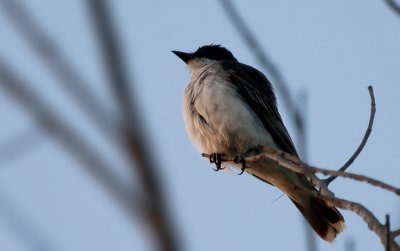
{"x": 134, "y": 139}
{"x": 20, "y": 144}
{"x": 395, "y": 6}
{"x": 297, "y": 117}
{"x": 264, "y": 60}
{"x": 71, "y": 140}
{"x": 365, "y": 139}
{"x": 68, "y": 76}
{"x": 22, "y": 227}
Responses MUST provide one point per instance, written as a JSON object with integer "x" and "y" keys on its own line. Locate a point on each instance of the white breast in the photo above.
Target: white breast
{"x": 218, "y": 120}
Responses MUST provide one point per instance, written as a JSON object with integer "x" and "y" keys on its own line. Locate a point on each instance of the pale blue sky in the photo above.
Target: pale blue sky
{"x": 331, "y": 50}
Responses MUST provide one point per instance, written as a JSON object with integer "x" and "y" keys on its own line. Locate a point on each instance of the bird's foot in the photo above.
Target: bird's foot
{"x": 216, "y": 158}
{"x": 240, "y": 159}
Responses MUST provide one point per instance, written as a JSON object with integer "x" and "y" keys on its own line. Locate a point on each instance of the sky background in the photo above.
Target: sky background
{"x": 330, "y": 50}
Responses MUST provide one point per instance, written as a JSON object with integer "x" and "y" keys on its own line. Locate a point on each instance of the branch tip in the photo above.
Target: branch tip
{"x": 395, "y": 234}
{"x": 368, "y": 131}
{"x": 388, "y": 237}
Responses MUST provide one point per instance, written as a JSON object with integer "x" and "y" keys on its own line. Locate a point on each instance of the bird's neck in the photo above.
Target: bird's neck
{"x": 197, "y": 66}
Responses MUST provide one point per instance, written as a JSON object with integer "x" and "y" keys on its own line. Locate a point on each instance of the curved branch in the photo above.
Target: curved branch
{"x": 364, "y": 140}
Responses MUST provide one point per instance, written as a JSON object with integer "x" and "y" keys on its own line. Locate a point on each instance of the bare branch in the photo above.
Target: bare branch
{"x": 362, "y": 178}
{"x": 394, "y": 6}
{"x": 387, "y": 225}
{"x": 49, "y": 52}
{"x": 396, "y": 233}
{"x": 133, "y": 134}
{"x": 364, "y": 140}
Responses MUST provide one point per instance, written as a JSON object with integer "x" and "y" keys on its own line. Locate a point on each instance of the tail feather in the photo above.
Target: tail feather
{"x": 326, "y": 221}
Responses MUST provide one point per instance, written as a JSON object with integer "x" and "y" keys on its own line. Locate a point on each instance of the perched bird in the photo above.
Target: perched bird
{"x": 230, "y": 108}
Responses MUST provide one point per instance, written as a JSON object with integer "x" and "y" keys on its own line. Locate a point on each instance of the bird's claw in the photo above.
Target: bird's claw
{"x": 241, "y": 159}
{"x": 216, "y": 158}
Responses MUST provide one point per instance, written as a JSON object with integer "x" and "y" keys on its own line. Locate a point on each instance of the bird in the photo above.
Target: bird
{"x": 230, "y": 108}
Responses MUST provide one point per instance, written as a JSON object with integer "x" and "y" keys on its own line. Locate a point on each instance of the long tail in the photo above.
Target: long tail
{"x": 324, "y": 219}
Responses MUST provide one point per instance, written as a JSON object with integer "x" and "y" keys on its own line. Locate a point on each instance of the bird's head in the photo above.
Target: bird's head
{"x": 205, "y": 55}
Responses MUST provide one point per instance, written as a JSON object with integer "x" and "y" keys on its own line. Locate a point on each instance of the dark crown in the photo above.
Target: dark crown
{"x": 215, "y": 52}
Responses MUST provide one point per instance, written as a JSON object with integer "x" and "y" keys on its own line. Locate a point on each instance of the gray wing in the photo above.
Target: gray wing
{"x": 255, "y": 89}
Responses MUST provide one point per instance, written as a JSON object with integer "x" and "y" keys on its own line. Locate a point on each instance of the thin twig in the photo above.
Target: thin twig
{"x": 362, "y": 178}
{"x": 364, "y": 140}
{"x": 394, "y": 6}
{"x": 396, "y": 233}
{"x": 388, "y": 237}
{"x": 49, "y": 52}
{"x": 135, "y": 142}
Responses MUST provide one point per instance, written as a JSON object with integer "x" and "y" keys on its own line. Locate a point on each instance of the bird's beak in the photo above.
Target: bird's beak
{"x": 186, "y": 57}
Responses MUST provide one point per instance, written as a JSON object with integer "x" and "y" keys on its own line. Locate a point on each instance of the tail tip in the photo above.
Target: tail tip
{"x": 333, "y": 230}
